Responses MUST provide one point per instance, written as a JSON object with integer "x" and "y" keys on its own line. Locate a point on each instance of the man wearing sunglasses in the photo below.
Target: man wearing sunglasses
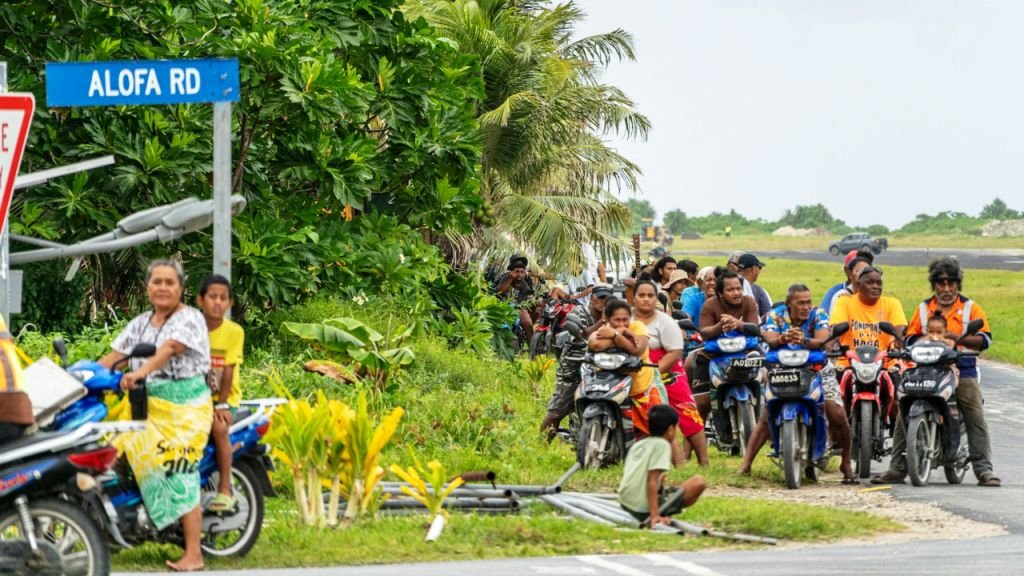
{"x": 946, "y": 279}
{"x": 567, "y": 376}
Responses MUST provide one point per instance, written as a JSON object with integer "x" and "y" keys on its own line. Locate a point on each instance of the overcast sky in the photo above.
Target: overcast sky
{"x": 880, "y": 109}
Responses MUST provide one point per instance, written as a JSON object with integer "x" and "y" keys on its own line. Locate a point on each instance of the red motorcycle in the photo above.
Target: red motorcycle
{"x": 869, "y": 398}
{"x": 550, "y": 324}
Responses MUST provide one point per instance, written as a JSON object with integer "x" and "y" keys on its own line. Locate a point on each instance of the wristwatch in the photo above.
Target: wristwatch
{"x": 222, "y": 406}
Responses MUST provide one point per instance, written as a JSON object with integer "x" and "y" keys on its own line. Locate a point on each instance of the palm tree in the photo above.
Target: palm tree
{"x": 545, "y": 166}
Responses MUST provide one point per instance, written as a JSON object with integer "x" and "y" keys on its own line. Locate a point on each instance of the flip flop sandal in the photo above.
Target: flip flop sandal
{"x": 990, "y": 481}
{"x": 850, "y": 480}
{"x": 221, "y": 503}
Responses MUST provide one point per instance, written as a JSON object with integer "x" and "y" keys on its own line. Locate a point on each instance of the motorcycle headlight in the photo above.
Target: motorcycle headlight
{"x": 926, "y": 354}
{"x": 867, "y": 373}
{"x": 731, "y": 345}
{"x": 82, "y": 375}
{"x": 609, "y": 361}
{"x": 794, "y": 357}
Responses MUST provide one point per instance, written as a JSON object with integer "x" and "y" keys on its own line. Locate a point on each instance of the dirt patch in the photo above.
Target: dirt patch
{"x": 923, "y": 521}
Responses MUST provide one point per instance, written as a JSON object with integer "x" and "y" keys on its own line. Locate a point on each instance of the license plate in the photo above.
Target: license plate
{"x": 784, "y": 378}
{"x": 756, "y": 362}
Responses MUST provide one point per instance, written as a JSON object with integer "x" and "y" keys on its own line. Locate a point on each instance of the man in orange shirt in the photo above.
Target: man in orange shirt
{"x": 864, "y": 310}
{"x": 946, "y": 279}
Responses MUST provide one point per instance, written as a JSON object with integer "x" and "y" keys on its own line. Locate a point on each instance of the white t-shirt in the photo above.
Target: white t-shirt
{"x": 663, "y": 333}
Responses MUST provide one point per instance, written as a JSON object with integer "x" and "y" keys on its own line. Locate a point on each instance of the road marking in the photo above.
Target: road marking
{"x": 569, "y": 570}
{"x": 687, "y": 567}
{"x": 617, "y": 568}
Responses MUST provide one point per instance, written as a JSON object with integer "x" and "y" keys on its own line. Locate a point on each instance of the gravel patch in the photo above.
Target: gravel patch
{"x": 923, "y": 521}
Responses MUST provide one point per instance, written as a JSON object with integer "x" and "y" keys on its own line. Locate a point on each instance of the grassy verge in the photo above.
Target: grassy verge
{"x": 475, "y": 413}
{"x": 998, "y": 291}
{"x": 534, "y": 532}
{"x": 770, "y": 242}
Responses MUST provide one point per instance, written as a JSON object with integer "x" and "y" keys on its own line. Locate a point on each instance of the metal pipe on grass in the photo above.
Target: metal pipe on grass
{"x": 607, "y": 512}
{"x": 573, "y": 510}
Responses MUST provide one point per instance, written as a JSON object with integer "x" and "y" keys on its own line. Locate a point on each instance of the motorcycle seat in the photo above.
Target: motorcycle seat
{"x": 26, "y": 441}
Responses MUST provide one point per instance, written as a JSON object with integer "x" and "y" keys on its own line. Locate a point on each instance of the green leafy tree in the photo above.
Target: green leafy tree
{"x": 343, "y": 103}
{"x": 675, "y": 221}
{"x": 545, "y": 166}
{"x": 998, "y": 210}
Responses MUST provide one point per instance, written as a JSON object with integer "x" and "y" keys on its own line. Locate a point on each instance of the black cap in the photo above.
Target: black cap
{"x": 602, "y": 291}
{"x": 748, "y": 261}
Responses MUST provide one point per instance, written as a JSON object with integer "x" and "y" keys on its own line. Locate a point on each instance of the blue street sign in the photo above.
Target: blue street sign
{"x": 141, "y": 82}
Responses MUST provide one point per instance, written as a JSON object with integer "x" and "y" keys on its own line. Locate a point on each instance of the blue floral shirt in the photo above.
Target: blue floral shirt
{"x": 779, "y": 321}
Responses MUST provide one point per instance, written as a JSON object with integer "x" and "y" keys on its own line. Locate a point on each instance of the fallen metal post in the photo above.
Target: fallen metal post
{"x": 607, "y": 512}
{"x": 575, "y": 467}
{"x": 744, "y": 537}
{"x": 573, "y": 511}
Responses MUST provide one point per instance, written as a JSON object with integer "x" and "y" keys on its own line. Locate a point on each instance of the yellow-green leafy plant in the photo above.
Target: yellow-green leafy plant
{"x": 427, "y": 485}
{"x": 297, "y": 437}
{"x": 362, "y": 470}
{"x": 536, "y": 371}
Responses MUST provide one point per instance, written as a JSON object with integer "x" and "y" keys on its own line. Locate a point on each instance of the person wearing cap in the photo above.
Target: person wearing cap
{"x": 734, "y": 260}
{"x": 677, "y": 282}
{"x": 749, "y": 270}
{"x": 567, "y": 377}
{"x": 946, "y": 279}
{"x": 845, "y": 288}
{"x": 515, "y": 284}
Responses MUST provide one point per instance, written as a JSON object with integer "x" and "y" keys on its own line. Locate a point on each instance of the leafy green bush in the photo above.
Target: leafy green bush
{"x": 946, "y": 223}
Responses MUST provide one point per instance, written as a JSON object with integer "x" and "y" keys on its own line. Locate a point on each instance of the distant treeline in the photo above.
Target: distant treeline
{"x": 818, "y": 216}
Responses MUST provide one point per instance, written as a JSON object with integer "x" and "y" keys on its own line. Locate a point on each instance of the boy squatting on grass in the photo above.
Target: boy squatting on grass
{"x": 642, "y": 492}
{"x": 226, "y": 341}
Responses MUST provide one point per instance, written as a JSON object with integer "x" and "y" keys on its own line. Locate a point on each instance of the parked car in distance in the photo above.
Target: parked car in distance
{"x": 858, "y": 241}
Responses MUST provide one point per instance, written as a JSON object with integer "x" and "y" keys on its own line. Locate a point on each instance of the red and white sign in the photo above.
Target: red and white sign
{"x": 15, "y": 118}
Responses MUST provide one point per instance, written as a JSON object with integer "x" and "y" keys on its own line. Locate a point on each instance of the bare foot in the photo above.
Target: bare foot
{"x": 186, "y": 564}
{"x": 743, "y": 470}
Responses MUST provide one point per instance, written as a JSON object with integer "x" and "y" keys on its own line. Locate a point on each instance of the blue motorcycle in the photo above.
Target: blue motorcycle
{"x": 737, "y": 367}
{"x": 795, "y": 400}
{"x": 118, "y": 503}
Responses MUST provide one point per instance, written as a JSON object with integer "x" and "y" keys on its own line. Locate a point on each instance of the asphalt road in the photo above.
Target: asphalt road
{"x": 1002, "y": 386}
{"x": 970, "y": 259}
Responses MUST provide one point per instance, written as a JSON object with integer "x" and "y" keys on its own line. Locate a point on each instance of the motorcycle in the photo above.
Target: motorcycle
{"x": 550, "y": 325}
{"x": 795, "y": 400}
{"x": 45, "y": 481}
{"x": 868, "y": 394}
{"x": 119, "y": 505}
{"x": 936, "y": 435}
{"x": 737, "y": 371}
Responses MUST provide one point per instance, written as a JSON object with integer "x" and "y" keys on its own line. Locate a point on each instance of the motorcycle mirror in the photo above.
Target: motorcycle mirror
{"x": 840, "y": 329}
{"x": 887, "y": 328}
{"x": 688, "y": 324}
{"x": 676, "y": 304}
{"x": 573, "y": 328}
{"x": 751, "y": 329}
{"x": 143, "y": 350}
{"x": 663, "y": 298}
{"x": 975, "y": 326}
{"x": 679, "y": 315}
{"x": 62, "y": 351}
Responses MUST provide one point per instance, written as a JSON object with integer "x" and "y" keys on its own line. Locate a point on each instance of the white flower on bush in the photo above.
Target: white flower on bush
{"x": 360, "y": 299}
{"x": 401, "y": 258}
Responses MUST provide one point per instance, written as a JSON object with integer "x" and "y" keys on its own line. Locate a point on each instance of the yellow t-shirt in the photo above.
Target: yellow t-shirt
{"x": 645, "y": 377}
{"x": 226, "y": 343}
{"x": 864, "y": 321}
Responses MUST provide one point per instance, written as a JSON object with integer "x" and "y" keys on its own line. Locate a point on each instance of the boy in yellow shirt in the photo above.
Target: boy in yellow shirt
{"x": 226, "y": 341}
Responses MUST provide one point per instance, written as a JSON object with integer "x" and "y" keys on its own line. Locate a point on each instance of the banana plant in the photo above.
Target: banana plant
{"x": 371, "y": 354}
{"x": 362, "y": 470}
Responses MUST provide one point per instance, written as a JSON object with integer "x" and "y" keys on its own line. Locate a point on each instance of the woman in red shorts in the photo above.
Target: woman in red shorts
{"x": 665, "y": 345}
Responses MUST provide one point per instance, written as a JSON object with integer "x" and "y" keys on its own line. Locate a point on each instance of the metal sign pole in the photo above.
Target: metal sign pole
{"x": 222, "y": 189}
{"x": 5, "y": 248}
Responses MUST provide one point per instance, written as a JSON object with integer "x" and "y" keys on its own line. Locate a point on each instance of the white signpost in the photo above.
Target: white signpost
{"x": 15, "y": 120}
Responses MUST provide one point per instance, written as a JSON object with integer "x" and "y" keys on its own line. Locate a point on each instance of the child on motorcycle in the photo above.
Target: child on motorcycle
{"x": 937, "y": 330}
{"x": 642, "y": 492}
{"x": 630, "y": 336}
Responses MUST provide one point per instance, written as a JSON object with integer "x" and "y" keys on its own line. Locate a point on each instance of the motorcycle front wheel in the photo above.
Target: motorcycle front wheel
{"x": 921, "y": 439}
{"x": 598, "y": 446}
{"x": 865, "y": 442}
{"x": 76, "y": 537}
{"x": 792, "y": 452}
{"x": 234, "y": 534}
